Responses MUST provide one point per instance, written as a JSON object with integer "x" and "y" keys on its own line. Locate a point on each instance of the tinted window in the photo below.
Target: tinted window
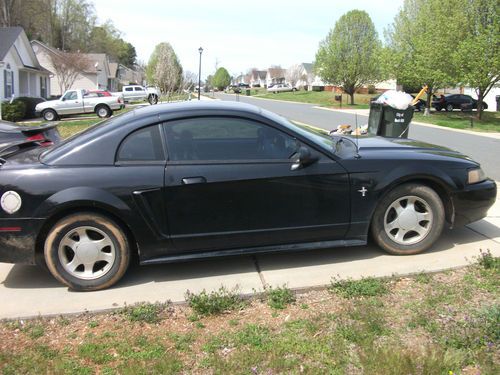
{"x": 138, "y": 89}
{"x": 129, "y": 89}
{"x": 226, "y": 139}
{"x": 142, "y": 145}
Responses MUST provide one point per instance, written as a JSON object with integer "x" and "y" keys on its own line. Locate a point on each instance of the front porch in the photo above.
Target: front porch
{"x": 33, "y": 83}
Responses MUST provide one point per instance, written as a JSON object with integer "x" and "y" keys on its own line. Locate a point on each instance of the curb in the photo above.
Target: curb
{"x": 492, "y": 135}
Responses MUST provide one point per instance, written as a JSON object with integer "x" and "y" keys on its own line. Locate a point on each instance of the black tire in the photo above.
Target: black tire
{"x": 103, "y": 111}
{"x": 433, "y": 204}
{"x": 56, "y": 253}
{"x": 449, "y": 107}
{"x": 50, "y": 115}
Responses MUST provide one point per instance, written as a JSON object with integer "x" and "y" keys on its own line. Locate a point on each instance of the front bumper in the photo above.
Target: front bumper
{"x": 473, "y": 203}
{"x": 17, "y": 240}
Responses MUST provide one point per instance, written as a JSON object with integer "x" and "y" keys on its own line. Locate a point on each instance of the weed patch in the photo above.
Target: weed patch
{"x": 365, "y": 287}
{"x": 280, "y": 297}
{"x": 215, "y": 302}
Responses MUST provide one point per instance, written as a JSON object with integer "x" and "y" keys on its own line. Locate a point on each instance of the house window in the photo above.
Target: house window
{"x": 8, "y": 79}
{"x": 43, "y": 87}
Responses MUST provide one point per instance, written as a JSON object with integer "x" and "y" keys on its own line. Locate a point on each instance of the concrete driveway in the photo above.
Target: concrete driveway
{"x": 27, "y": 291}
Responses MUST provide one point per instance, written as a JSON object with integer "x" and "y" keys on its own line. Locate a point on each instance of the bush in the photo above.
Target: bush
{"x": 488, "y": 261}
{"x": 280, "y": 297}
{"x": 371, "y": 89}
{"x": 215, "y": 302}
{"x": 13, "y": 111}
{"x": 30, "y": 104}
{"x": 366, "y": 287}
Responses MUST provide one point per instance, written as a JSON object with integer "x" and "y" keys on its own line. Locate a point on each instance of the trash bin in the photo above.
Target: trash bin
{"x": 498, "y": 102}
{"x": 247, "y": 92}
{"x": 389, "y": 122}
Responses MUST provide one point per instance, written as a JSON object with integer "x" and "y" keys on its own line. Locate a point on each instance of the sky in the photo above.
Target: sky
{"x": 237, "y": 35}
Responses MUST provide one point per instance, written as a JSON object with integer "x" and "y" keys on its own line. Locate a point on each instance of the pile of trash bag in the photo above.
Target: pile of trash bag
{"x": 347, "y": 129}
{"x": 395, "y": 99}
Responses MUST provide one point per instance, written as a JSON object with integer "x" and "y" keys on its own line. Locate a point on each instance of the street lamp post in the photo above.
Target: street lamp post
{"x": 200, "y": 50}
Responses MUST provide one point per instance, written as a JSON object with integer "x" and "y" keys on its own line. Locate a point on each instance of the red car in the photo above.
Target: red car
{"x": 100, "y": 93}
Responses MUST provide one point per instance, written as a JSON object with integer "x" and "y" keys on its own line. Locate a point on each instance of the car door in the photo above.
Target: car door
{"x": 70, "y": 103}
{"x": 229, "y": 183}
{"x": 139, "y": 93}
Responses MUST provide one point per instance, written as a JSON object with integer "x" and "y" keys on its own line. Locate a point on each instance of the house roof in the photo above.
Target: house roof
{"x": 8, "y": 36}
{"x": 276, "y": 72}
{"x": 99, "y": 58}
{"x": 261, "y": 74}
{"x": 308, "y": 67}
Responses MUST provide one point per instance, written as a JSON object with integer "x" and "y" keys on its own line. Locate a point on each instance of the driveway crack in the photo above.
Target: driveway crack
{"x": 259, "y": 271}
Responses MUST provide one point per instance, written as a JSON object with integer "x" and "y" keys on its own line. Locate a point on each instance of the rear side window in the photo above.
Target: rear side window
{"x": 129, "y": 89}
{"x": 139, "y": 89}
{"x": 142, "y": 145}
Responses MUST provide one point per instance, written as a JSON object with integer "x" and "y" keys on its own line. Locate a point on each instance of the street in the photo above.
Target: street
{"x": 481, "y": 148}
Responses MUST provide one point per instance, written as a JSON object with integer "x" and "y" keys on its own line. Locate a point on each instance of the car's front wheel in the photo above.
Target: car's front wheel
{"x": 449, "y": 107}
{"x": 87, "y": 251}
{"x": 408, "y": 220}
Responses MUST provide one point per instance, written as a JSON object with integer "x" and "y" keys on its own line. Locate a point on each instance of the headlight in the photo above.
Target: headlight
{"x": 475, "y": 175}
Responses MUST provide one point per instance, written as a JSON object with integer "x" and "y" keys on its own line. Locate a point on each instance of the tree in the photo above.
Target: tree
{"x": 76, "y": 19}
{"x": 294, "y": 74}
{"x": 106, "y": 38}
{"x": 477, "y": 58}
{"x": 164, "y": 69}
{"x": 421, "y": 41}
{"x": 221, "y": 79}
{"x": 67, "y": 66}
{"x": 348, "y": 56}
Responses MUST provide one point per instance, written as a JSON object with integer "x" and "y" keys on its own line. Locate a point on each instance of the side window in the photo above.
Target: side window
{"x": 142, "y": 145}
{"x": 129, "y": 89}
{"x": 211, "y": 138}
{"x": 139, "y": 89}
{"x": 72, "y": 95}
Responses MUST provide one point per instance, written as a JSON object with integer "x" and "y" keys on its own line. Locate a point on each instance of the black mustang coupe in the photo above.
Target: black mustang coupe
{"x": 177, "y": 182}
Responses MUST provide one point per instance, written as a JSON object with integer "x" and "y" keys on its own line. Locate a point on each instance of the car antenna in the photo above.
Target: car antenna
{"x": 357, "y": 156}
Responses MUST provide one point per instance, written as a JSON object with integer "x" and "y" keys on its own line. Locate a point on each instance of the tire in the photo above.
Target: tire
{"x": 103, "y": 111}
{"x": 153, "y": 99}
{"x": 106, "y": 248}
{"x": 50, "y": 115}
{"x": 449, "y": 107}
{"x": 416, "y": 227}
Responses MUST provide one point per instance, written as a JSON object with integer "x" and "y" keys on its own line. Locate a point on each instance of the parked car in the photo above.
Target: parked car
{"x": 243, "y": 85}
{"x": 177, "y": 182}
{"x": 12, "y": 134}
{"x": 456, "y": 101}
{"x": 74, "y": 102}
{"x": 281, "y": 87}
{"x": 139, "y": 93}
{"x": 100, "y": 93}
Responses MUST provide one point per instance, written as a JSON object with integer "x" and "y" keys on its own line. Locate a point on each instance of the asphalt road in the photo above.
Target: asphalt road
{"x": 482, "y": 149}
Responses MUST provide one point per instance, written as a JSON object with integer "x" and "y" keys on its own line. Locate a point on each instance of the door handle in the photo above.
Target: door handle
{"x": 193, "y": 180}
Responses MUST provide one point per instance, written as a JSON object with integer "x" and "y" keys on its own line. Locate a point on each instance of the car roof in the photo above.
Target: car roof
{"x": 97, "y": 145}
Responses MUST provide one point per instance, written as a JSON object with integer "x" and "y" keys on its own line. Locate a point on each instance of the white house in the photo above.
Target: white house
{"x": 275, "y": 75}
{"x": 95, "y": 77}
{"x": 490, "y": 99}
{"x": 20, "y": 71}
{"x": 306, "y": 74}
{"x": 258, "y": 78}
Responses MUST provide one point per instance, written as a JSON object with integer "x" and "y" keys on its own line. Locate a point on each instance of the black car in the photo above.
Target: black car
{"x": 456, "y": 101}
{"x": 12, "y": 134}
{"x": 176, "y": 182}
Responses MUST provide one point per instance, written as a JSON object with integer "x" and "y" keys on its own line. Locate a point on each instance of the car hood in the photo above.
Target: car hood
{"x": 404, "y": 148}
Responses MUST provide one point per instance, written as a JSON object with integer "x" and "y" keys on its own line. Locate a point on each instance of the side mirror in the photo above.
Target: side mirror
{"x": 63, "y": 99}
{"x": 302, "y": 158}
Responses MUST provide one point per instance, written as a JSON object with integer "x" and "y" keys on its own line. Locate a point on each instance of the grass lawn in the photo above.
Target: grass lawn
{"x": 461, "y": 120}
{"x": 443, "y": 323}
{"x": 320, "y": 98}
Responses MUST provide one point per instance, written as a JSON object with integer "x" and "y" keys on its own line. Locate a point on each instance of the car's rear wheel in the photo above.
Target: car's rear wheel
{"x": 49, "y": 115}
{"x": 87, "y": 251}
{"x": 103, "y": 111}
{"x": 408, "y": 220}
{"x": 153, "y": 99}
{"x": 449, "y": 107}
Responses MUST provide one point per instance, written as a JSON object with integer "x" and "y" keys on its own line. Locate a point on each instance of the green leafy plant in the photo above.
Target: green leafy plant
{"x": 365, "y": 287}
{"x": 488, "y": 261}
{"x": 144, "y": 312}
{"x": 13, "y": 111}
{"x": 215, "y": 302}
{"x": 280, "y": 297}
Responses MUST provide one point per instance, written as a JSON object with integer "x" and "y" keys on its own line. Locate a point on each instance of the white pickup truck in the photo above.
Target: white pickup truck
{"x": 75, "y": 102}
{"x": 138, "y": 93}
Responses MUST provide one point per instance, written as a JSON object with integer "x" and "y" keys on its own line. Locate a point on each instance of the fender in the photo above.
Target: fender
{"x": 85, "y": 195}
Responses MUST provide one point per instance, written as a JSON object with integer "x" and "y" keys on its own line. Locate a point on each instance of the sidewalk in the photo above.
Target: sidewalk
{"x": 26, "y": 291}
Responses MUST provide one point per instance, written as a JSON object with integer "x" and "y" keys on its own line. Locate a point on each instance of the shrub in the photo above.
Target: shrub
{"x": 29, "y": 105}
{"x": 371, "y": 89}
{"x": 280, "y": 297}
{"x": 366, "y": 287}
{"x": 215, "y": 302}
{"x": 13, "y": 111}
{"x": 488, "y": 261}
